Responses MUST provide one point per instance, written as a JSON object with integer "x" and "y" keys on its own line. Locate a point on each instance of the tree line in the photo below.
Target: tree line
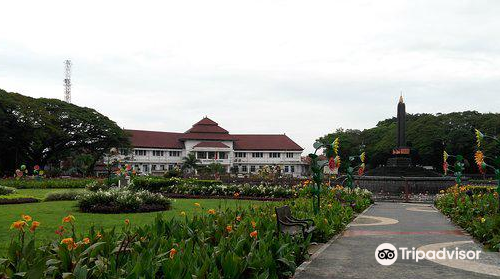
{"x": 53, "y": 134}
{"x": 428, "y": 135}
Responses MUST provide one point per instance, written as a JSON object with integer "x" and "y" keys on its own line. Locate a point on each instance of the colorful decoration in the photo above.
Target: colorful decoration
{"x": 480, "y": 159}
{"x": 458, "y": 167}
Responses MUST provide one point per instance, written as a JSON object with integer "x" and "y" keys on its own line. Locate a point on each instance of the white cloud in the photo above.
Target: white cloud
{"x": 303, "y": 68}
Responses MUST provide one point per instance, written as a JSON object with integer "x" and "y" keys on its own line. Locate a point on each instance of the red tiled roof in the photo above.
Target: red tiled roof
{"x": 216, "y": 144}
{"x": 155, "y": 139}
{"x": 207, "y": 125}
{"x": 207, "y": 129}
{"x": 265, "y": 142}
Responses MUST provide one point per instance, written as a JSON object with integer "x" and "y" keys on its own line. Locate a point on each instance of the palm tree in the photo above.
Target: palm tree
{"x": 190, "y": 162}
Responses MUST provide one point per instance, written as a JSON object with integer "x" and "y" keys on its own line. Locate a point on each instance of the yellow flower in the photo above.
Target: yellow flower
{"x": 26, "y": 218}
{"x": 253, "y": 224}
{"x": 211, "y": 211}
{"x": 330, "y": 205}
{"x": 325, "y": 221}
{"x": 196, "y": 204}
{"x": 441, "y": 192}
{"x": 18, "y": 225}
{"x": 172, "y": 253}
{"x": 68, "y": 219}
{"x": 229, "y": 228}
{"x": 483, "y": 220}
{"x": 253, "y": 234}
{"x": 183, "y": 213}
{"x": 34, "y": 225}
{"x": 86, "y": 240}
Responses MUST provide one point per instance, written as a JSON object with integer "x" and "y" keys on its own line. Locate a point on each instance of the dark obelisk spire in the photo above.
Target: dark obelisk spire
{"x": 401, "y": 123}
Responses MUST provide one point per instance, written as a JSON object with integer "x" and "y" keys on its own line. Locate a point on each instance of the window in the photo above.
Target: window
{"x": 244, "y": 169}
{"x": 289, "y": 155}
{"x": 252, "y": 168}
{"x": 240, "y": 154}
{"x": 140, "y": 152}
{"x": 123, "y": 151}
{"x": 257, "y": 154}
{"x": 162, "y": 167}
{"x": 286, "y": 169}
{"x": 292, "y": 168}
{"x": 201, "y": 155}
{"x": 170, "y": 167}
{"x": 174, "y": 153}
{"x": 222, "y": 155}
{"x": 145, "y": 168}
{"x": 153, "y": 167}
{"x": 158, "y": 153}
{"x": 136, "y": 167}
{"x": 274, "y": 155}
{"x": 211, "y": 155}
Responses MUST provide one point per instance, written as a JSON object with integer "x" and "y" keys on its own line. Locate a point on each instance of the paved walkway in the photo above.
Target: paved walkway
{"x": 352, "y": 255}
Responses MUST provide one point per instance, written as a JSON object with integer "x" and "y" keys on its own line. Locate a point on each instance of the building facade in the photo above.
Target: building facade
{"x": 157, "y": 152}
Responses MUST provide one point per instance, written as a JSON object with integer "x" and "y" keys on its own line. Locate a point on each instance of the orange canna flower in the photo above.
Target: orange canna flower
{"x": 238, "y": 218}
{"x": 172, "y": 253}
{"x": 211, "y": 211}
{"x": 253, "y": 224}
{"x": 34, "y": 225}
{"x": 98, "y": 235}
{"x": 253, "y": 234}
{"x": 229, "y": 228}
{"x": 26, "y": 218}
{"x": 127, "y": 222}
{"x": 68, "y": 219}
{"x": 86, "y": 240}
{"x": 18, "y": 225}
{"x": 70, "y": 243}
{"x": 236, "y": 194}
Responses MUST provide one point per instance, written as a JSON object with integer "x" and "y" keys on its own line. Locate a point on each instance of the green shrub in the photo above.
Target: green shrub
{"x": 6, "y": 190}
{"x": 118, "y": 200}
{"x": 63, "y": 196}
{"x": 16, "y": 199}
{"x": 45, "y": 183}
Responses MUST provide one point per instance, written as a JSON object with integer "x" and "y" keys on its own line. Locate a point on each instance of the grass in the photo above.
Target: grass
{"x": 51, "y": 213}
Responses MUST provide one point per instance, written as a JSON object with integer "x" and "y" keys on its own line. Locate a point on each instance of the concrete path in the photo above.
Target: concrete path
{"x": 352, "y": 255}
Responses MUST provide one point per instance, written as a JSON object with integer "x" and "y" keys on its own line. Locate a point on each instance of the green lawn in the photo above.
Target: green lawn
{"x": 41, "y": 193}
{"x": 51, "y": 213}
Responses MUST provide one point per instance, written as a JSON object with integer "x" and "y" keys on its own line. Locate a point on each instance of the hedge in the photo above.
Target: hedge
{"x": 45, "y": 183}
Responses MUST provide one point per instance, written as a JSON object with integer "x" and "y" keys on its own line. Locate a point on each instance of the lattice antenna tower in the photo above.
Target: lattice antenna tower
{"x": 67, "y": 81}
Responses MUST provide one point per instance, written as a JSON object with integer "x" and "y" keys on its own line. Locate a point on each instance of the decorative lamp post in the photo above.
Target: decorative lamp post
{"x": 458, "y": 167}
{"x": 317, "y": 167}
{"x": 481, "y": 159}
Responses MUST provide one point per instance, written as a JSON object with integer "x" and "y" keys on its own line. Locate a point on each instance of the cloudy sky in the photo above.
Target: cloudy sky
{"x": 303, "y": 68}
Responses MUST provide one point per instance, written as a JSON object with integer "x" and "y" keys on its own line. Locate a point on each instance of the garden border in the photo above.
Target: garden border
{"x": 186, "y": 196}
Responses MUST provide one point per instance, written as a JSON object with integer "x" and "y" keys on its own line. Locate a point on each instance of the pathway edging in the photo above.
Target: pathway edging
{"x": 304, "y": 265}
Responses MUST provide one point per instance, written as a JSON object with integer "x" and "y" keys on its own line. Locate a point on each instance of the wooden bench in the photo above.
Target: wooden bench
{"x": 291, "y": 225}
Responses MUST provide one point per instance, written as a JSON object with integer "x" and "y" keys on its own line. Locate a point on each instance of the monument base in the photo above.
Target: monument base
{"x": 399, "y": 162}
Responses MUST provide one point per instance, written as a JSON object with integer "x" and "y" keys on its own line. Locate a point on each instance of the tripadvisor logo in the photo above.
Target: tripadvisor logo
{"x": 387, "y": 254}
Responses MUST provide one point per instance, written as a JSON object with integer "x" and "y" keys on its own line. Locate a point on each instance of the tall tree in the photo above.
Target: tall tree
{"x": 46, "y": 131}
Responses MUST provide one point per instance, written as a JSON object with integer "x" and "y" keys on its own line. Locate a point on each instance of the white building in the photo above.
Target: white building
{"x": 161, "y": 151}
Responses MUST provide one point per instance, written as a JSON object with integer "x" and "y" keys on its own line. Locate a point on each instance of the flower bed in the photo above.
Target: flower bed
{"x": 475, "y": 209}
{"x": 192, "y": 187}
{"x": 45, "y": 183}
{"x": 239, "y": 243}
{"x": 122, "y": 200}
{"x": 17, "y": 199}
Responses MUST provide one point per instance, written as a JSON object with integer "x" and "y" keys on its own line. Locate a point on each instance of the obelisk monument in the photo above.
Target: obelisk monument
{"x": 401, "y": 152}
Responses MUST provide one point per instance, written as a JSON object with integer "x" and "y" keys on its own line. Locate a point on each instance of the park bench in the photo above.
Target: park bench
{"x": 291, "y": 225}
